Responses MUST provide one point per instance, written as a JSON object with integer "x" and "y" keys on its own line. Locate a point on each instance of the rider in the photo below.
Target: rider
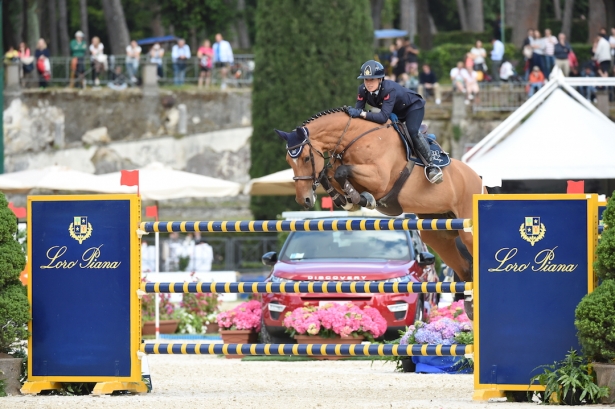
{"x": 392, "y": 98}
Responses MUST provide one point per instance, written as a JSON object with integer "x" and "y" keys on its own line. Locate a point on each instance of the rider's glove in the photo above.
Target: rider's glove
{"x": 354, "y": 112}
{"x": 393, "y": 117}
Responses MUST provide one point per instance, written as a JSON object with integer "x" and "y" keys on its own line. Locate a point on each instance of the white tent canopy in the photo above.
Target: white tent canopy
{"x": 51, "y": 177}
{"x": 564, "y": 138}
{"x": 158, "y": 182}
{"x": 276, "y": 184}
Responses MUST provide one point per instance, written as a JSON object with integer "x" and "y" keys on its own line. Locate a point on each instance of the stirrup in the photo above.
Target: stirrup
{"x": 436, "y": 177}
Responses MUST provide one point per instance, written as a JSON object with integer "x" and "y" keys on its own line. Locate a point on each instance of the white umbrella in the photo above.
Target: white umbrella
{"x": 159, "y": 182}
{"x": 276, "y": 184}
{"x": 51, "y": 177}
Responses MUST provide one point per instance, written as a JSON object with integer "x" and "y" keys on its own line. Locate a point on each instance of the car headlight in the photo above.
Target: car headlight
{"x": 402, "y": 279}
{"x": 276, "y": 279}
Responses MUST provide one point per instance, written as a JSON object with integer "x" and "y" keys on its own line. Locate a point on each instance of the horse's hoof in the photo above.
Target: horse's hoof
{"x": 468, "y": 306}
{"x": 371, "y": 202}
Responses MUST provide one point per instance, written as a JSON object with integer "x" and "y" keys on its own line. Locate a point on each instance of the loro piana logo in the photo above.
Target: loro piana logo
{"x": 80, "y": 229}
{"x": 532, "y": 230}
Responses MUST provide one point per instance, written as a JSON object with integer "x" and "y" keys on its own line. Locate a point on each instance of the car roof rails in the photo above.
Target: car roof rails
{"x": 321, "y": 214}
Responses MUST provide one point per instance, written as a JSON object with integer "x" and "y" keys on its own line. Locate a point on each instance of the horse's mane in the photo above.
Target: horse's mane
{"x": 327, "y": 112}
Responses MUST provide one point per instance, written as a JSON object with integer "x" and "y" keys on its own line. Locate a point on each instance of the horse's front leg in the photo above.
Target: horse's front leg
{"x": 363, "y": 175}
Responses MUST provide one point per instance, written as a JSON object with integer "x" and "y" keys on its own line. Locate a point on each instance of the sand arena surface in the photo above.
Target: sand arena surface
{"x": 211, "y": 382}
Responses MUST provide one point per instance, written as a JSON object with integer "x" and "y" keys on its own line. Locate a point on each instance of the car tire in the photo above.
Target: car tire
{"x": 267, "y": 338}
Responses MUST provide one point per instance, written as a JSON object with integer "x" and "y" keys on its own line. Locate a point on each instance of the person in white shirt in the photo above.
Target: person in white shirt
{"x": 223, "y": 57}
{"x": 471, "y": 80}
{"x": 507, "y": 71}
{"x": 612, "y": 44}
{"x": 602, "y": 53}
{"x": 98, "y": 59}
{"x": 458, "y": 76}
{"x": 180, "y": 54}
{"x": 538, "y": 44}
{"x": 156, "y": 53}
{"x": 497, "y": 54}
{"x": 133, "y": 54}
{"x": 549, "y": 43}
{"x": 478, "y": 55}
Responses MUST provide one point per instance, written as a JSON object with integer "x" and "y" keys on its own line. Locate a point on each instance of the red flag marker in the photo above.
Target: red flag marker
{"x": 130, "y": 178}
{"x": 326, "y": 203}
{"x": 151, "y": 211}
{"x": 576, "y": 187}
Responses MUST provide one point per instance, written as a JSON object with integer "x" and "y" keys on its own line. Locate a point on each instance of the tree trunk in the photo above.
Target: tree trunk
{"x": 476, "y": 21}
{"x": 596, "y": 18}
{"x": 63, "y": 28}
{"x": 194, "y": 45}
{"x": 242, "y": 28}
{"x": 558, "y": 10}
{"x": 526, "y": 17}
{"x": 116, "y": 26}
{"x": 52, "y": 27}
{"x": 407, "y": 17}
{"x": 463, "y": 15}
{"x": 24, "y": 21}
{"x": 377, "y": 13}
{"x": 509, "y": 13}
{"x": 34, "y": 32}
{"x": 83, "y": 12}
{"x": 156, "y": 24}
{"x": 424, "y": 29}
{"x": 567, "y": 18}
{"x": 610, "y": 14}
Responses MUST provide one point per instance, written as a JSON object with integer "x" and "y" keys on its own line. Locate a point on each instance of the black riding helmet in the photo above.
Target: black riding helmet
{"x": 371, "y": 69}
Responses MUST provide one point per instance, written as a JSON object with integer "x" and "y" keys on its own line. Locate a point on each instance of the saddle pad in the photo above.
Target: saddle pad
{"x": 439, "y": 157}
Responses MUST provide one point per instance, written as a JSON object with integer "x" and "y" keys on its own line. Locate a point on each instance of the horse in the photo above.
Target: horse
{"x": 366, "y": 160}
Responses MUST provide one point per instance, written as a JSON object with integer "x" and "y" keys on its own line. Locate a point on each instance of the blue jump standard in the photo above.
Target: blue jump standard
{"x": 316, "y": 287}
{"x": 306, "y": 225}
{"x": 308, "y": 349}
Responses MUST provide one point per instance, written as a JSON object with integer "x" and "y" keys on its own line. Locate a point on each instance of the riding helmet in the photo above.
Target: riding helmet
{"x": 371, "y": 69}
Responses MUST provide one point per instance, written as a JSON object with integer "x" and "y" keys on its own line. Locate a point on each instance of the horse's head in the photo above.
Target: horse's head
{"x": 307, "y": 162}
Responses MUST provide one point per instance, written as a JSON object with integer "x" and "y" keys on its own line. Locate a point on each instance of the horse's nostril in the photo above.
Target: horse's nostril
{"x": 308, "y": 201}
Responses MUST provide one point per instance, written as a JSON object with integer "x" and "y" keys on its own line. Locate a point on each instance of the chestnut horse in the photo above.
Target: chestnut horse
{"x": 370, "y": 157}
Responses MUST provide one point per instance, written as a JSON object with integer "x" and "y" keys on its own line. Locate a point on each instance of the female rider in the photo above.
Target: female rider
{"x": 392, "y": 98}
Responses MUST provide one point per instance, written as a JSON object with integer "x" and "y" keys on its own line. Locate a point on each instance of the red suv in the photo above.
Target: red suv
{"x": 350, "y": 256}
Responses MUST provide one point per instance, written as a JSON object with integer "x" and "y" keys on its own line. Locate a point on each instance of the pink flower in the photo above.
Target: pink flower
{"x": 246, "y": 315}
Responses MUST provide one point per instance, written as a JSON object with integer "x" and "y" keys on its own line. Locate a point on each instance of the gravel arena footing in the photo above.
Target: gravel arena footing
{"x": 215, "y": 382}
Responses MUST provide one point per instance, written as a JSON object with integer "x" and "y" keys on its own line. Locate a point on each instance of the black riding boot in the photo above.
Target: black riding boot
{"x": 433, "y": 172}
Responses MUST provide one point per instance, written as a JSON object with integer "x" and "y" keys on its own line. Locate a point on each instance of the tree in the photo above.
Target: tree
{"x": 117, "y": 28}
{"x": 307, "y": 57}
{"x": 242, "y": 26}
{"x": 424, "y": 27}
{"x": 53, "y": 27}
{"x": 83, "y": 13}
{"x": 407, "y": 17}
{"x": 63, "y": 28}
{"x": 526, "y": 17}
{"x": 463, "y": 18}
{"x": 216, "y": 16}
{"x": 567, "y": 18}
{"x": 596, "y": 18}
{"x": 471, "y": 15}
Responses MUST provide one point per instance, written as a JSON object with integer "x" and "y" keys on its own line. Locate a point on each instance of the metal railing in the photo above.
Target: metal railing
{"x": 506, "y": 97}
{"x": 239, "y": 74}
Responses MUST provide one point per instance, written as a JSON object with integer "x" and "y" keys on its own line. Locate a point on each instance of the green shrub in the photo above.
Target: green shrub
{"x": 605, "y": 252}
{"x": 465, "y": 37}
{"x": 595, "y": 322}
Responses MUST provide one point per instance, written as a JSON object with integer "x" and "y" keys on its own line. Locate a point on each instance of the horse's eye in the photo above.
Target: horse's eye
{"x": 306, "y": 159}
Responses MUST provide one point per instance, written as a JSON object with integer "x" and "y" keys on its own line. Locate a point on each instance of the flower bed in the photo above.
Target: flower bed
{"x": 333, "y": 320}
{"x": 246, "y": 316}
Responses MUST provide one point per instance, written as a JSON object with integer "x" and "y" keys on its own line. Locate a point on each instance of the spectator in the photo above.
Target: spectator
{"x": 26, "y": 60}
{"x": 42, "y": 63}
{"x": 528, "y": 51}
{"x": 180, "y": 54}
{"x": 588, "y": 91}
{"x": 205, "y": 54}
{"x": 11, "y": 56}
{"x": 507, "y": 71}
{"x": 412, "y": 56}
{"x": 413, "y": 80}
{"x": 428, "y": 84}
{"x": 98, "y": 59}
{"x": 78, "y": 48}
{"x": 560, "y": 52}
{"x": 549, "y": 57}
{"x": 119, "y": 83}
{"x": 536, "y": 80}
{"x": 400, "y": 65}
{"x": 602, "y": 33}
{"x": 478, "y": 56}
{"x": 471, "y": 81}
{"x": 602, "y": 53}
{"x": 155, "y": 57}
{"x": 458, "y": 77}
{"x": 133, "y": 55}
{"x": 497, "y": 54}
{"x": 612, "y": 44}
{"x": 539, "y": 52}
{"x": 392, "y": 59}
{"x": 223, "y": 57}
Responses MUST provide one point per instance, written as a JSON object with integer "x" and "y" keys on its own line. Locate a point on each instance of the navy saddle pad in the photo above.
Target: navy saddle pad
{"x": 439, "y": 156}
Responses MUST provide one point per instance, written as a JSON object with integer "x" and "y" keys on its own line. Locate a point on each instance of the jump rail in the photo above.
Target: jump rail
{"x": 317, "y": 287}
{"x": 308, "y": 349}
{"x": 306, "y": 225}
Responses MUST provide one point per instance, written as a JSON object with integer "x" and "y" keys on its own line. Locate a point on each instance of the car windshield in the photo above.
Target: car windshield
{"x": 389, "y": 245}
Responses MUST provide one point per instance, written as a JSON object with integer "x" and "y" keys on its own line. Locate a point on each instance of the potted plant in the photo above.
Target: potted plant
{"x": 595, "y": 314}
{"x": 168, "y": 322}
{"x": 334, "y": 323}
{"x": 446, "y": 326}
{"x": 198, "y": 313}
{"x": 569, "y": 381}
{"x": 241, "y": 324}
{"x": 14, "y": 306}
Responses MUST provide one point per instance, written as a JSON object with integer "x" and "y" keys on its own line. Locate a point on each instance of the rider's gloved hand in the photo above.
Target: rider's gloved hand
{"x": 393, "y": 117}
{"x": 354, "y": 112}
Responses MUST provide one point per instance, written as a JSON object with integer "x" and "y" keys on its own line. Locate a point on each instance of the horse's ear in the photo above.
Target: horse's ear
{"x": 283, "y": 135}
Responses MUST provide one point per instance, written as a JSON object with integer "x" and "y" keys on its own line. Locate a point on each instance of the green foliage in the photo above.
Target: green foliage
{"x": 605, "y": 252}
{"x": 465, "y": 338}
{"x": 307, "y": 56}
{"x": 183, "y": 263}
{"x": 215, "y": 15}
{"x": 2, "y": 387}
{"x": 14, "y": 315}
{"x": 563, "y": 379}
{"x": 466, "y": 37}
{"x": 579, "y": 31}
{"x": 595, "y": 322}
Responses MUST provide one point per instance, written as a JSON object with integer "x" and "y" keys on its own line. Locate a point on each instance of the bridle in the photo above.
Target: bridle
{"x": 322, "y": 175}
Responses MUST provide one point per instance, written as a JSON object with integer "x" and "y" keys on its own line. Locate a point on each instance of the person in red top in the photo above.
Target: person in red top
{"x": 205, "y": 55}
{"x": 536, "y": 80}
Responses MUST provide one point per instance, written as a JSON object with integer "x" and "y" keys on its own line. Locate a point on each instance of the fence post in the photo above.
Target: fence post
{"x": 603, "y": 101}
{"x": 12, "y": 77}
{"x": 150, "y": 77}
